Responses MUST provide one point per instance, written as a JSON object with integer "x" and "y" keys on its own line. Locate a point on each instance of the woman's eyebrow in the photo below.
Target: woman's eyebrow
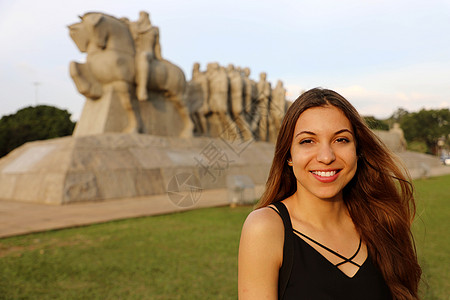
{"x": 343, "y": 130}
{"x": 305, "y": 132}
{"x": 312, "y": 133}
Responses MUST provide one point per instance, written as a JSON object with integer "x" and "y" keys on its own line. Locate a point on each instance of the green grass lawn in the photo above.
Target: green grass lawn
{"x": 431, "y": 231}
{"x": 190, "y": 255}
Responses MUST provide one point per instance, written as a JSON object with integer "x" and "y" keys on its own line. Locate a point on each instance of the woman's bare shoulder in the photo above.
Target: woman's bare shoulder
{"x": 264, "y": 222}
{"x": 260, "y": 254}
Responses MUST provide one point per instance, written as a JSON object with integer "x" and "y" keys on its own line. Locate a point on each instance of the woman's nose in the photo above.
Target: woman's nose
{"x": 326, "y": 155}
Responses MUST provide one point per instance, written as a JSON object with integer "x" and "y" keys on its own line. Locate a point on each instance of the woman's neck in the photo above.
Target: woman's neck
{"x": 320, "y": 213}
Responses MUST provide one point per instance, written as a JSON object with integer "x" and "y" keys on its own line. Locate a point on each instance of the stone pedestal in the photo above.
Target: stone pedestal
{"x": 115, "y": 111}
{"x": 160, "y": 117}
{"x": 117, "y": 165}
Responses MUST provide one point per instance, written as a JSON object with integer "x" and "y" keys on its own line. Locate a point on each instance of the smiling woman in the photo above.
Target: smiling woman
{"x": 323, "y": 153}
{"x": 344, "y": 231}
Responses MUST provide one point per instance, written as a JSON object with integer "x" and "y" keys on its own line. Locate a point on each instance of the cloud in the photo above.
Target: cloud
{"x": 383, "y": 104}
{"x": 293, "y": 91}
{"x": 444, "y": 104}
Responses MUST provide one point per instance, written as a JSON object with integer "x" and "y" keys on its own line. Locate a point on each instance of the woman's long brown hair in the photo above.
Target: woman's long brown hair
{"x": 379, "y": 197}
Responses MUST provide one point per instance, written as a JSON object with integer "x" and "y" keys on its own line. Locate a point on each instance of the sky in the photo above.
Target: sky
{"x": 380, "y": 55}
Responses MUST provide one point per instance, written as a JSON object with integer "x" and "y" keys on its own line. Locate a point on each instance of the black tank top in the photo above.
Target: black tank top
{"x": 306, "y": 274}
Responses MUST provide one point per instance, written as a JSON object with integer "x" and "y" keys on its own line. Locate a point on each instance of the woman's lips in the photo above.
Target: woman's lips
{"x": 326, "y": 176}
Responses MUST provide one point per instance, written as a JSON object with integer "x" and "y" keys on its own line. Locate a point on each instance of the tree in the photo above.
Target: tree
{"x": 376, "y": 124}
{"x": 33, "y": 123}
{"x": 399, "y": 114}
{"x": 426, "y": 126}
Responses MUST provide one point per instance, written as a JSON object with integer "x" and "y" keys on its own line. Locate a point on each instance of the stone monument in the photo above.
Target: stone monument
{"x": 227, "y": 103}
{"x": 394, "y": 138}
{"x": 197, "y": 100}
{"x": 124, "y": 64}
{"x": 218, "y": 86}
{"x": 107, "y": 77}
{"x": 135, "y": 134}
{"x": 277, "y": 110}
{"x": 260, "y": 124}
{"x": 236, "y": 103}
{"x": 250, "y": 95}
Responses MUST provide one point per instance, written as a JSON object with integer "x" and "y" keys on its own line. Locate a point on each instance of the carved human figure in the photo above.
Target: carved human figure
{"x": 261, "y": 111}
{"x": 148, "y": 49}
{"x": 155, "y": 74}
{"x": 109, "y": 66}
{"x": 278, "y": 101}
{"x": 236, "y": 101}
{"x": 197, "y": 100}
{"x": 277, "y": 110}
{"x": 218, "y": 86}
{"x": 250, "y": 93}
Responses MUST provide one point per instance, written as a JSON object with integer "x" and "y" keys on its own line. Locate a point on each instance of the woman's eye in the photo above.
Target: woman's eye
{"x": 307, "y": 141}
{"x": 342, "y": 140}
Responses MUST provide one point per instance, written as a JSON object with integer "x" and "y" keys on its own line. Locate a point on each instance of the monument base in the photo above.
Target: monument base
{"x": 160, "y": 117}
{"x": 118, "y": 165}
{"x": 117, "y": 111}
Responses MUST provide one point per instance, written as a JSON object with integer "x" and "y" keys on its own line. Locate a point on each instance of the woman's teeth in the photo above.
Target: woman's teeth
{"x": 324, "y": 174}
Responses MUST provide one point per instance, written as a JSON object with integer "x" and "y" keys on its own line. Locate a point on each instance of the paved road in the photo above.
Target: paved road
{"x": 18, "y": 218}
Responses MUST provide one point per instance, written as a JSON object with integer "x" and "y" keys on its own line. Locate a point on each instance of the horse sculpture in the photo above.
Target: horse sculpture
{"x": 125, "y": 56}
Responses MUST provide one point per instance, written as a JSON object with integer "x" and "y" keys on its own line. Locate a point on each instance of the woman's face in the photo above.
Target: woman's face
{"x": 323, "y": 153}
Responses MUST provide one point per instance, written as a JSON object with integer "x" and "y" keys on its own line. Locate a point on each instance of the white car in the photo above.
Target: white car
{"x": 445, "y": 160}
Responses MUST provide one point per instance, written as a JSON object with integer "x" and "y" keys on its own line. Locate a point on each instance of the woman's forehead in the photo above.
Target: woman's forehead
{"x": 322, "y": 117}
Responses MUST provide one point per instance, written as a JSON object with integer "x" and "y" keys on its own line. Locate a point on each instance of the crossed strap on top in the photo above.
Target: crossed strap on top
{"x": 345, "y": 260}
